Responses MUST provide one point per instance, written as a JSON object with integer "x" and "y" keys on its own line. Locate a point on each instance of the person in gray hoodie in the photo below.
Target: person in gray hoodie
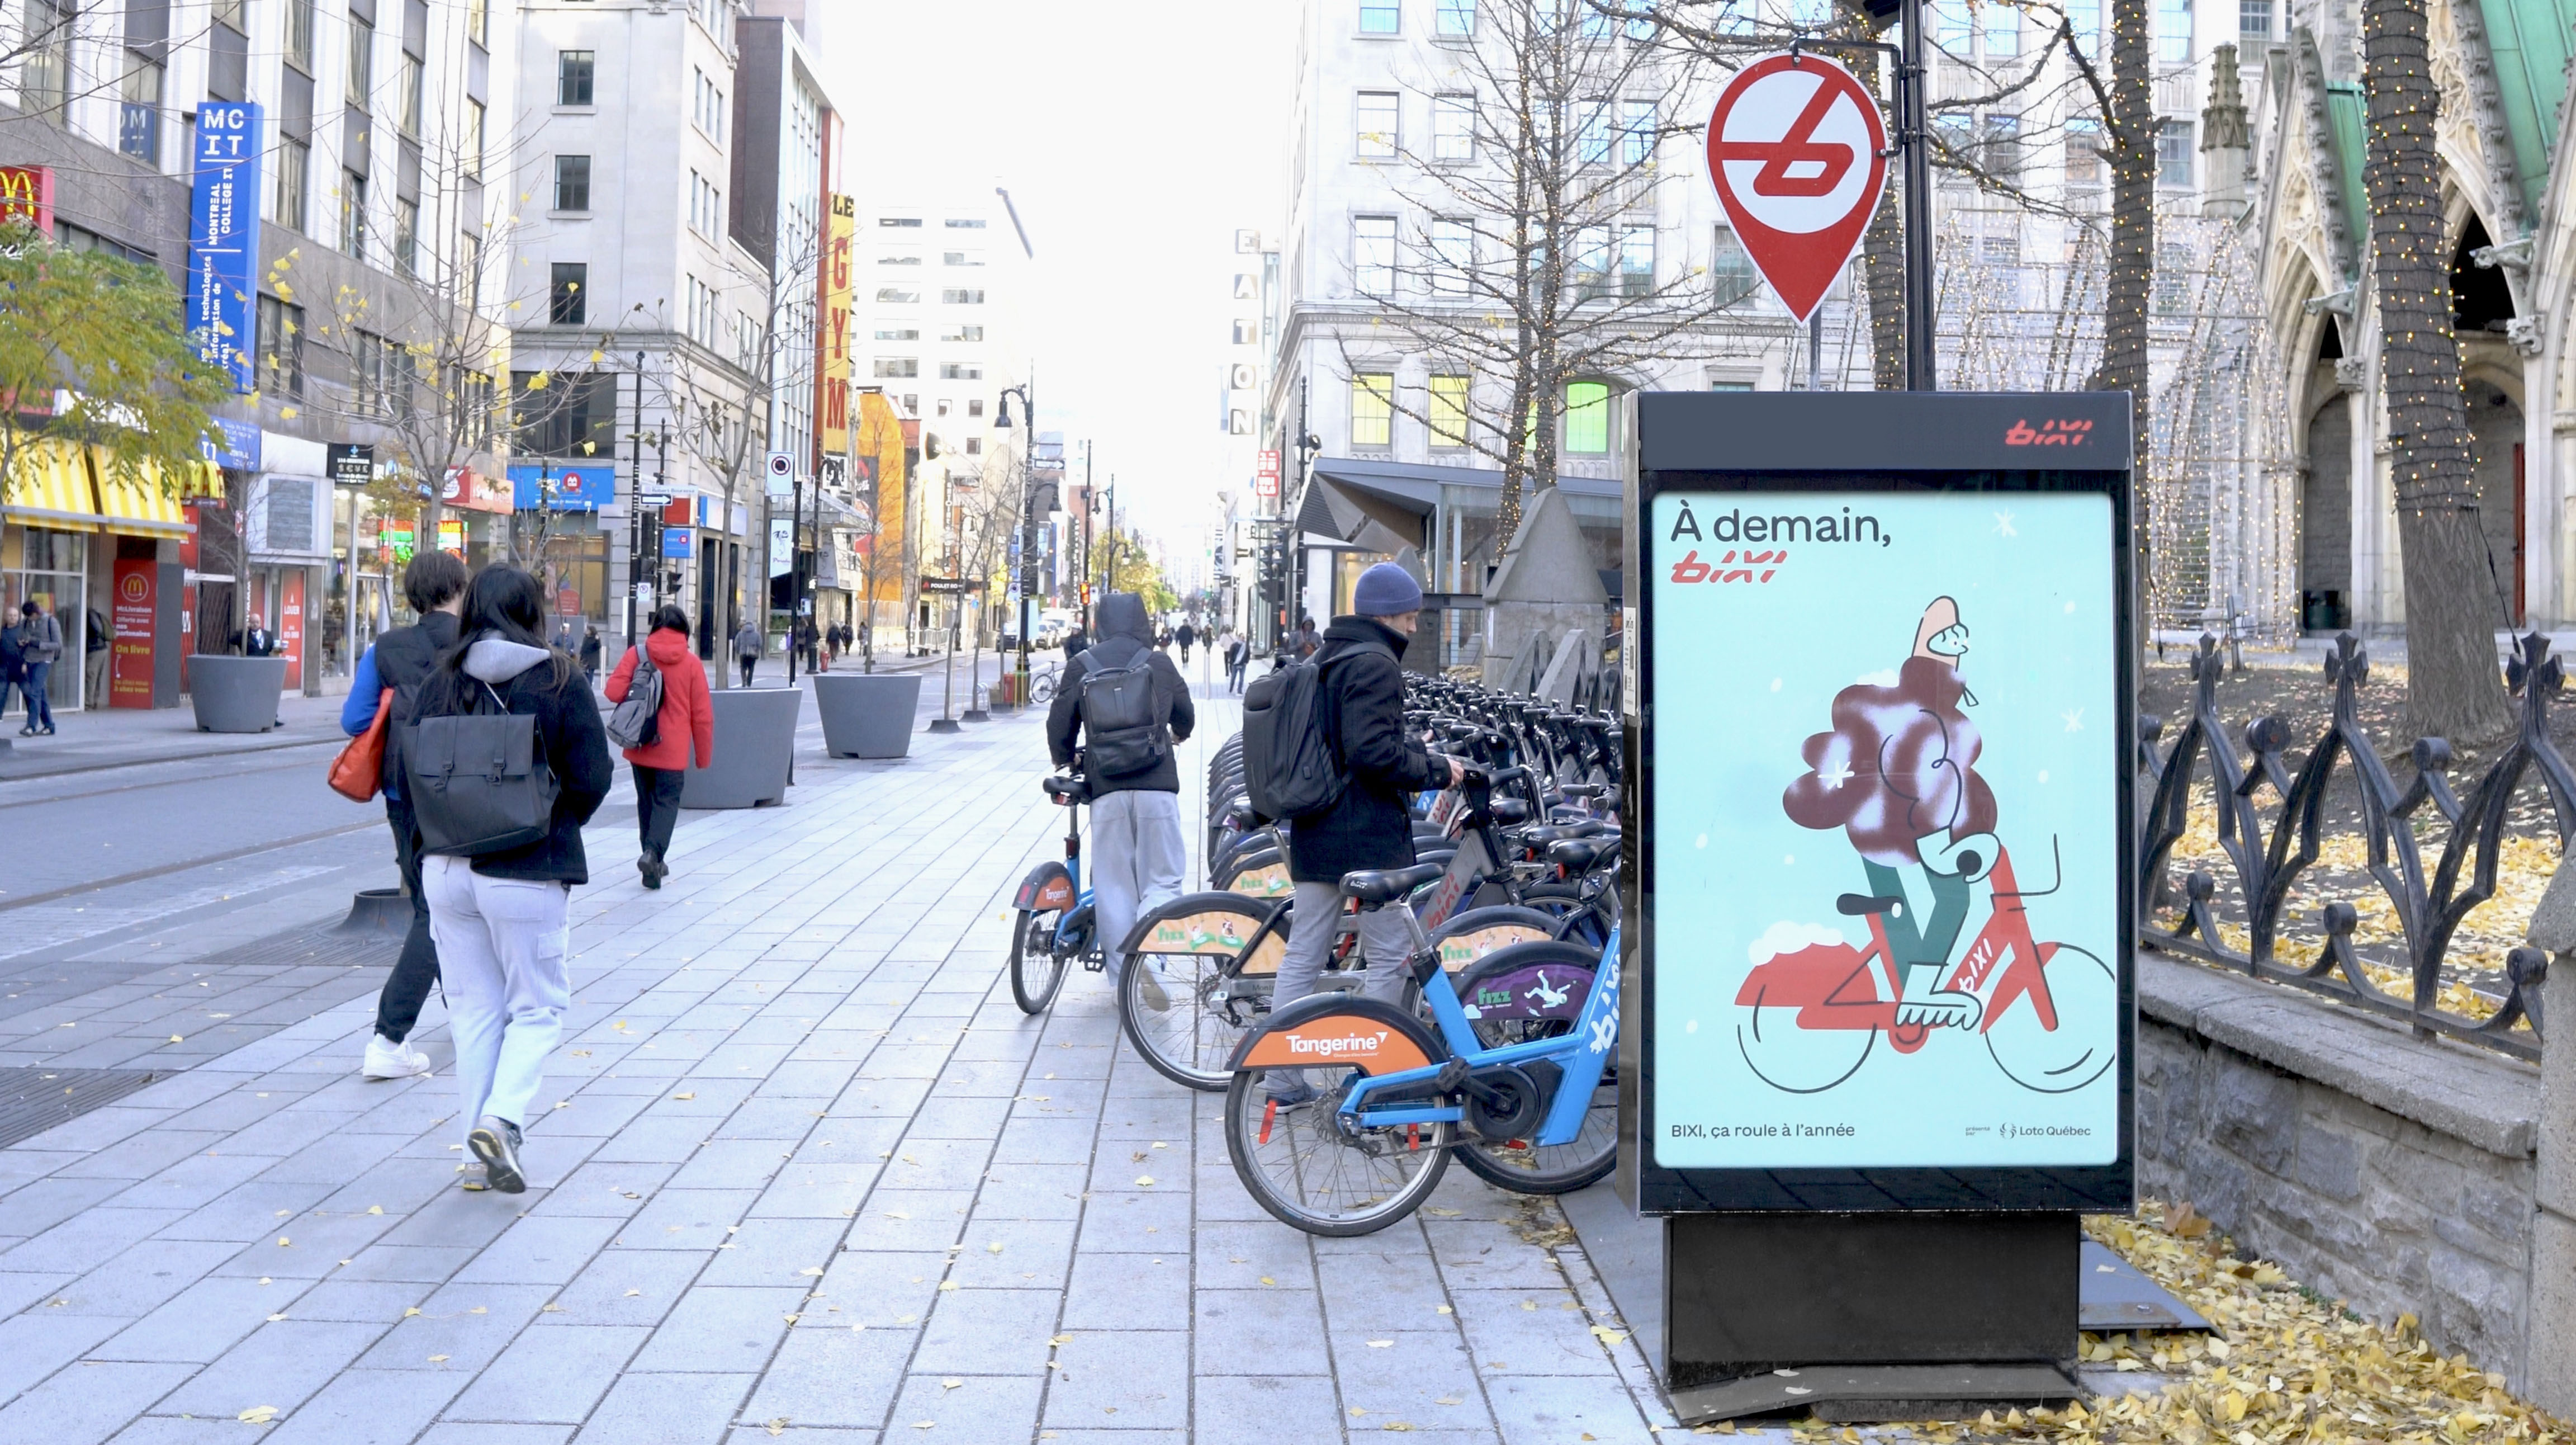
{"x": 500, "y": 918}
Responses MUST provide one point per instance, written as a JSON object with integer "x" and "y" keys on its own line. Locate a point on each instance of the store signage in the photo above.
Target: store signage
{"x": 835, "y": 398}
{"x": 1265, "y": 478}
{"x": 223, "y": 236}
{"x": 136, "y": 586}
{"x": 352, "y": 464}
{"x": 239, "y": 446}
{"x": 1886, "y": 841}
{"x": 290, "y": 628}
{"x": 27, "y": 196}
{"x": 474, "y": 492}
{"x": 451, "y": 535}
{"x": 676, "y": 543}
{"x": 561, "y": 488}
{"x": 1799, "y": 154}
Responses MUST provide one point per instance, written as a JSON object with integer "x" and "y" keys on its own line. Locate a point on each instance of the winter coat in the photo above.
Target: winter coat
{"x": 590, "y": 652}
{"x": 687, "y": 719}
{"x": 13, "y": 657}
{"x": 746, "y": 643}
{"x": 569, "y": 732}
{"x": 404, "y": 658}
{"x": 1370, "y": 824}
{"x": 1123, "y": 638}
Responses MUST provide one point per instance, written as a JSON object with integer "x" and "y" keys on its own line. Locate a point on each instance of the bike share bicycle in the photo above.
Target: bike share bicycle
{"x": 1055, "y": 924}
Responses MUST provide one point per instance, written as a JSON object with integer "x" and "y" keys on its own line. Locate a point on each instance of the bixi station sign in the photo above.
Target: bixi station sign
{"x": 1881, "y": 1044}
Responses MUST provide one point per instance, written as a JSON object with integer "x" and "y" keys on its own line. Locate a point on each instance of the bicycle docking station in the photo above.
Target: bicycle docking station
{"x": 1878, "y": 1056}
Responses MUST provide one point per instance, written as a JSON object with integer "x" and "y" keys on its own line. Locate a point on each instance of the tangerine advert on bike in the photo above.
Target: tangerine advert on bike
{"x": 1886, "y": 830}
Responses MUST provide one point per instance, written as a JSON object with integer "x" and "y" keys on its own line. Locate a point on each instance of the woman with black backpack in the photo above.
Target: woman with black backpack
{"x": 501, "y": 846}
{"x": 659, "y": 752}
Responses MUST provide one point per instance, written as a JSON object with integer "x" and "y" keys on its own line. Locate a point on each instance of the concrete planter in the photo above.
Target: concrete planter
{"x": 236, "y": 694}
{"x": 867, "y": 715}
{"x": 755, "y": 731}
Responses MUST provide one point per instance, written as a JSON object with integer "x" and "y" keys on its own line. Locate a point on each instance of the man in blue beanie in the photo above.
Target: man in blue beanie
{"x": 1368, "y": 826}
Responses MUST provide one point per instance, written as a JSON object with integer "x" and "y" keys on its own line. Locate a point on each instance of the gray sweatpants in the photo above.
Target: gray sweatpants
{"x": 1136, "y": 864}
{"x": 1315, "y": 917}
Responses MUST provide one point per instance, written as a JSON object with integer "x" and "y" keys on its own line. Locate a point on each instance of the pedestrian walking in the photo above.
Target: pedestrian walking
{"x": 500, "y": 917}
{"x": 40, "y": 642}
{"x": 1303, "y": 643}
{"x": 746, "y": 648}
{"x": 402, "y": 659}
{"x": 1076, "y": 643}
{"x": 1121, "y": 708}
{"x": 95, "y": 651}
{"x": 1185, "y": 637}
{"x": 1361, "y": 705}
{"x": 590, "y": 652}
{"x": 685, "y": 722}
{"x": 1237, "y": 654}
{"x": 13, "y": 667}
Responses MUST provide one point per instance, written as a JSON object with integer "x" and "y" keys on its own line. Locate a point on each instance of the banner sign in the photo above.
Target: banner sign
{"x": 136, "y": 586}
{"x": 835, "y": 395}
{"x": 27, "y": 195}
{"x": 535, "y": 485}
{"x": 352, "y": 464}
{"x": 223, "y": 236}
{"x": 241, "y": 448}
{"x": 1265, "y": 480}
{"x": 1886, "y": 839}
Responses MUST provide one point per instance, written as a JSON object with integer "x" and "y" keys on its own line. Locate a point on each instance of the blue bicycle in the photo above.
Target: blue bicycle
{"x": 1055, "y": 924}
{"x": 1520, "y": 1081}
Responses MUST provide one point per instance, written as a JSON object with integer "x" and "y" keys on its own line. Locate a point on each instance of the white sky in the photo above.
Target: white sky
{"x": 1134, "y": 139}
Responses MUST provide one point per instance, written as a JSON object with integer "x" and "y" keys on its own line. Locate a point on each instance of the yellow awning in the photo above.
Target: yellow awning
{"x": 50, "y": 488}
{"x": 144, "y": 506}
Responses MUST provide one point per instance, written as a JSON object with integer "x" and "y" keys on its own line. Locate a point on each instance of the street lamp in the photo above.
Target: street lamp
{"x": 1028, "y": 512}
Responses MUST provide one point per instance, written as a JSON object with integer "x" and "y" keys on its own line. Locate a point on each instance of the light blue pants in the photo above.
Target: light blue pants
{"x": 1134, "y": 866}
{"x": 501, "y": 946}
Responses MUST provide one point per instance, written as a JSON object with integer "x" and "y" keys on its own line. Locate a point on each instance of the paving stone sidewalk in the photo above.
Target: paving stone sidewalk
{"x": 811, "y": 1176}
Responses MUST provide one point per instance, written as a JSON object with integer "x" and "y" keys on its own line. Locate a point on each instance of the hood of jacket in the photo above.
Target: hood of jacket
{"x": 1122, "y": 614}
{"x": 666, "y": 648}
{"x": 496, "y": 659}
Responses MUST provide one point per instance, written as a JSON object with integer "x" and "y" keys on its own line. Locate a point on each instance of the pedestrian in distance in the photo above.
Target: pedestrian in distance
{"x": 1120, "y": 710}
{"x": 13, "y": 667}
{"x": 1185, "y": 637}
{"x": 1237, "y": 654}
{"x": 402, "y": 659}
{"x": 40, "y": 642}
{"x": 500, "y": 916}
{"x": 258, "y": 641}
{"x": 684, "y": 722}
{"x": 1075, "y": 643}
{"x": 1360, "y": 702}
{"x": 590, "y": 651}
{"x": 746, "y": 648}
{"x": 95, "y": 645}
{"x": 1305, "y": 641}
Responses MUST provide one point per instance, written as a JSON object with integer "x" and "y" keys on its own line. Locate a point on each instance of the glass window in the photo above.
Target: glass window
{"x": 2173, "y": 31}
{"x": 1587, "y": 417}
{"x": 900, "y": 258}
{"x": 470, "y": 150}
{"x": 955, "y": 224}
{"x": 1592, "y": 145}
{"x": 961, "y": 371}
{"x": 409, "y": 96}
{"x": 478, "y": 21}
{"x": 299, "y": 35}
{"x": 1730, "y": 270}
{"x": 1454, "y": 17}
{"x": 138, "y": 126}
{"x": 568, "y": 295}
{"x": 362, "y": 62}
{"x": 1808, "y": 14}
{"x": 961, "y": 333}
{"x": 1591, "y": 262}
{"x": 281, "y": 348}
{"x": 2083, "y": 151}
{"x": 1453, "y": 256}
{"x": 1373, "y": 254}
{"x": 2000, "y": 146}
{"x": 898, "y": 366}
{"x": 1453, "y": 128}
{"x": 1377, "y": 128}
{"x": 2254, "y": 19}
{"x": 961, "y": 258}
{"x": 1636, "y": 132}
{"x": 1378, "y": 17}
{"x": 1590, "y": 23}
{"x": 973, "y": 296}
{"x": 2173, "y": 153}
{"x": 913, "y": 222}
{"x": 2003, "y": 30}
{"x": 898, "y": 296}
{"x": 1636, "y": 260}
{"x": 572, "y": 183}
{"x": 1373, "y": 409}
{"x": 407, "y": 236}
{"x": 294, "y": 162}
{"x": 898, "y": 333}
{"x": 1951, "y": 26}
{"x": 1448, "y": 412}
{"x": 44, "y": 59}
{"x": 574, "y": 71}
{"x": 2084, "y": 17}
{"x": 353, "y": 215}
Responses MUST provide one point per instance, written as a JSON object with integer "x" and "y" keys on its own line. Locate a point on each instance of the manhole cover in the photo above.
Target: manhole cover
{"x": 34, "y": 1100}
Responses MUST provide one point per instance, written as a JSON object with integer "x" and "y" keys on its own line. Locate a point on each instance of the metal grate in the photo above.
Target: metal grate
{"x": 34, "y": 1100}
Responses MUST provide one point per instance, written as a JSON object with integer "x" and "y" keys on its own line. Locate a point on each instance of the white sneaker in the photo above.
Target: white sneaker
{"x": 389, "y": 1060}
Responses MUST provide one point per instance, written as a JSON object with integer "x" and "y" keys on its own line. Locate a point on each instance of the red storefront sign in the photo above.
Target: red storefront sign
{"x": 290, "y": 628}
{"x": 137, "y": 586}
{"x": 1265, "y": 479}
{"x": 27, "y": 194}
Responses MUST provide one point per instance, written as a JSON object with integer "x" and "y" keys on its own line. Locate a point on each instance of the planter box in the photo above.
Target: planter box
{"x": 236, "y": 694}
{"x": 866, "y": 715}
{"x": 755, "y": 730}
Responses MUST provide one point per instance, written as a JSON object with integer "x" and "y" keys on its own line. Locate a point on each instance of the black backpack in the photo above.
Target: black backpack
{"x": 1290, "y": 766}
{"x": 1122, "y": 720}
{"x": 478, "y": 781}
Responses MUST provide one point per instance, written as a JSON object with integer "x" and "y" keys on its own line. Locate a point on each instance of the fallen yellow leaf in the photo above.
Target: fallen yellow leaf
{"x": 257, "y": 1415}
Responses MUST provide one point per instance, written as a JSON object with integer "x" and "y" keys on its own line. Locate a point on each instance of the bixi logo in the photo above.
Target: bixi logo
{"x": 2051, "y": 433}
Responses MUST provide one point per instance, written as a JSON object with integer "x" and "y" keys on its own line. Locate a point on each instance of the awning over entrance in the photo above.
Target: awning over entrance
{"x": 51, "y": 490}
{"x": 147, "y": 505}
{"x": 69, "y": 488}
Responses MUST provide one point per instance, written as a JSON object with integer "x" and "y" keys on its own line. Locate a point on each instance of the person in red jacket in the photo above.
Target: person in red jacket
{"x": 684, "y": 721}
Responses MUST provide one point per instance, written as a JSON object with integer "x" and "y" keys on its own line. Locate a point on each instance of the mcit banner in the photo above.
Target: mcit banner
{"x": 223, "y": 237}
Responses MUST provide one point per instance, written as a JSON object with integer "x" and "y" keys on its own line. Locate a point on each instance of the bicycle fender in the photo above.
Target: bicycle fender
{"x": 1211, "y": 923}
{"x": 1371, "y": 1036}
{"x": 1047, "y": 888}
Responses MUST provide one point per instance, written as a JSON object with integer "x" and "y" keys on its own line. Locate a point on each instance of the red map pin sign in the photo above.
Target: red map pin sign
{"x": 1798, "y": 153}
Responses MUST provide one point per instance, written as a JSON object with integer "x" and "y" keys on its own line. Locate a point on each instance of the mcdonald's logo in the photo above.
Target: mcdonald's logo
{"x": 27, "y": 196}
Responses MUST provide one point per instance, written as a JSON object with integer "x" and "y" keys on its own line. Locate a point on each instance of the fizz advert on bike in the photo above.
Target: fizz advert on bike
{"x": 1887, "y": 892}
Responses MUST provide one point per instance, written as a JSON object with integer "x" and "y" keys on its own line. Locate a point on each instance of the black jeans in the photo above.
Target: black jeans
{"x": 748, "y": 664}
{"x": 416, "y": 968}
{"x": 657, "y": 805}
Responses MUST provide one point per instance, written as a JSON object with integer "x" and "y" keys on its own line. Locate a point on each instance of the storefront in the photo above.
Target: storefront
{"x": 70, "y": 534}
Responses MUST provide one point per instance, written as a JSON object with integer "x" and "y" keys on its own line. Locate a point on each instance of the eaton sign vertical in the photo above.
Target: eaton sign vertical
{"x": 223, "y": 236}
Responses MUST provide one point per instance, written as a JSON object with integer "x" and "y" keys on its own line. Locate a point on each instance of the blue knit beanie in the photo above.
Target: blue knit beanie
{"x": 1385, "y": 590}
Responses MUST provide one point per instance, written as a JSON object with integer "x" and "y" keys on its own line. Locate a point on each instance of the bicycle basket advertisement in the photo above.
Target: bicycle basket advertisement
{"x": 1886, "y": 833}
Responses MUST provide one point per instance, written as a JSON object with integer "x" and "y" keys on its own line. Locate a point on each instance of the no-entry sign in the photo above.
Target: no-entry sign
{"x": 1798, "y": 154}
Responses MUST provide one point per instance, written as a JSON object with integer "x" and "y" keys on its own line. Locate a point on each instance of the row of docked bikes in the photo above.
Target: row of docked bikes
{"x": 1501, "y": 1048}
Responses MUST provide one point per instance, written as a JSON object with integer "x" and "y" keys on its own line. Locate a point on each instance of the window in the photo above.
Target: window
{"x": 478, "y": 21}
{"x": 1453, "y": 256}
{"x": 1448, "y": 411}
{"x": 2003, "y": 30}
{"x": 1636, "y": 260}
{"x": 578, "y": 419}
{"x": 1999, "y": 146}
{"x": 1373, "y": 254}
{"x": 281, "y": 348}
{"x": 960, "y": 371}
{"x": 44, "y": 65}
{"x": 408, "y": 96}
{"x": 1378, "y": 17}
{"x": 407, "y": 236}
{"x": 1730, "y": 271}
{"x": 294, "y": 161}
{"x": 1587, "y": 417}
{"x": 469, "y": 150}
{"x": 568, "y": 294}
{"x": 299, "y": 35}
{"x": 576, "y": 71}
{"x": 898, "y": 366}
{"x": 1952, "y": 28}
{"x": 1454, "y": 18}
{"x": 353, "y": 215}
{"x": 1590, "y": 23}
{"x": 138, "y": 124}
{"x": 2173, "y": 153}
{"x": 975, "y": 407}
{"x": 1636, "y": 132}
{"x": 704, "y": 325}
{"x": 2254, "y": 19}
{"x": 956, "y": 224}
{"x": 1591, "y": 276}
{"x": 899, "y": 333}
{"x": 1373, "y": 409}
{"x": 2083, "y": 151}
{"x": 376, "y": 375}
{"x": 962, "y": 333}
{"x": 898, "y": 296}
{"x": 710, "y": 107}
{"x": 1807, "y": 14}
{"x": 912, "y": 402}
{"x": 905, "y": 258}
{"x": 906, "y": 222}
{"x": 706, "y": 207}
{"x": 961, "y": 258}
{"x": 953, "y": 297}
{"x": 2173, "y": 32}
{"x": 974, "y": 446}
{"x": 2084, "y": 17}
{"x": 943, "y": 406}
{"x": 1592, "y": 144}
{"x": 1377, "y": 116}
{"x": 469, "y": 268}
{"x": 1453, "y": 128}
{"x": 2173, "y": 279}
{"x": 572, "y": 183}
{"x": 362, "y": 62}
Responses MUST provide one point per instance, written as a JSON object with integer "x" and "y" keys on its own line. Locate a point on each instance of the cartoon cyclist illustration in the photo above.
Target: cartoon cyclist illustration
{"x": 1897, "y": 774}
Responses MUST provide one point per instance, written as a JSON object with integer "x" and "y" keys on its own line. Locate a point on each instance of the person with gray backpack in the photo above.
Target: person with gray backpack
{"x": 1125, "y": 705}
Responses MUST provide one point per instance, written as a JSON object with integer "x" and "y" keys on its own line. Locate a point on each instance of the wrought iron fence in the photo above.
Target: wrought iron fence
{"x": 2268, "y": 860}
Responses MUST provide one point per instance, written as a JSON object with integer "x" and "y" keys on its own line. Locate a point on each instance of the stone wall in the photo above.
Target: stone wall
{"x": 2393, "y": 1173}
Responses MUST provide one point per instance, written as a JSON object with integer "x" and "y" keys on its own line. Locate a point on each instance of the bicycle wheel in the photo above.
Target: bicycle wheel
{"x": 1042, "y": 688}
{"x": 1522, "y": 993}
{"x": 1181, "y": 1000}
{"x": 1300, "y": 1163}
{"x": 2066, "y": 1058}
{"x": 1037, "y": 970}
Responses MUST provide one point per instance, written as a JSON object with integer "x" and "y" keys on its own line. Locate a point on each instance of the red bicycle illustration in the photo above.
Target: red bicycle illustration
{"x": 2048, "y": 1012}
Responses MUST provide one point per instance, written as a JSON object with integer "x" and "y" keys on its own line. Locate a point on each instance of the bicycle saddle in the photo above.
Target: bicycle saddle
{"x": 1577, "y": 854}
{"x": 1385, "y": 885}
{"x": 1066, "y": 790}
{"x": 1510, "y": 810}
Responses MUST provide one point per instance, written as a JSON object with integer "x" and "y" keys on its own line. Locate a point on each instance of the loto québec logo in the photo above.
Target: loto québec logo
{"x": 2051, "y": 433}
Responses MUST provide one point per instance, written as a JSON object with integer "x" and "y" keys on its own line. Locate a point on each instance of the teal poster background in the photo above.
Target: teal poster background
{"x": 1902, "y": 697}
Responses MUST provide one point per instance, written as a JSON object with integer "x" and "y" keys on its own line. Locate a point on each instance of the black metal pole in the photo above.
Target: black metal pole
{"x": 1914, "y": 145}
